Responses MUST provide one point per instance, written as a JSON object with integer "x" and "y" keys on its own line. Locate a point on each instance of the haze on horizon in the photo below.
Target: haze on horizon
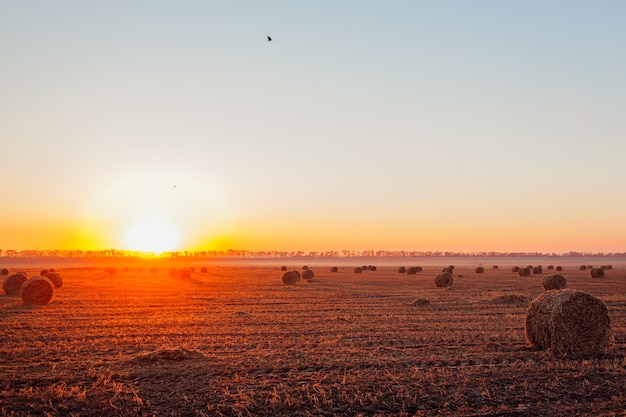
{"x": 405, "y": 125}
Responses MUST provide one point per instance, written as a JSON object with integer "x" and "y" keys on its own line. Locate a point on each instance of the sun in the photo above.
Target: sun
{"x": 152, "y": 233}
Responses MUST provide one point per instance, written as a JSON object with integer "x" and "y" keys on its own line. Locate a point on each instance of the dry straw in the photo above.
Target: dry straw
{"x": 597, "y": 273}
{"x": 443, "y": 280}
{"x": 554, "y": 282}
{"x": 56, "y": 279}
{"x": 291, "y": 278}
{"x": 37, "y": 291}
{"x": 12, "y": 284}
{"x": 568, "y": 322}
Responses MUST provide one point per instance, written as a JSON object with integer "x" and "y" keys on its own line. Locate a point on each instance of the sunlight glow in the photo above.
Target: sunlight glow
{"x": 152, "y": 234}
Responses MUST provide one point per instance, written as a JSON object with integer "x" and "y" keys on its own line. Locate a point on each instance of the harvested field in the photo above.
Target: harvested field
{"x": 237, "y": 341}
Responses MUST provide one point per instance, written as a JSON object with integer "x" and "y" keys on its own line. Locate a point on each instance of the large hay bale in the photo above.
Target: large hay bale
{"x": 4, "y": 271}
{"x": 283, "y": 268}
{"x": 443, "y": 280}
{"x": 308, "y": 274}
{"x": 37, "y": 291}
{"x": 401, "y": 270}
{"x": 494, "y": 267}
{"x": 358, "y": 270}
{"x": 480, "y": 270}
{"x": 550, "y": 267}
{"x": 515, "y": 269}
{"x": 554, "y": 282}
{"x": 559, "y": 268}
{"x": 568, "y": 322}
{"x": 597, "y": 273}
{"x": 524, "y": 272}
{"x": 55, "y": 278}
{"x": 583, "y": 267}
{"x": 43, "y": 272}
{"x": 537, "y": 269}
{"x": 334, "y": 269}
{"x": 371, "y": 268}
{"x": 12, "y": 284}
{"x": 411, "y": 270}
{"x": 290, "y": 278}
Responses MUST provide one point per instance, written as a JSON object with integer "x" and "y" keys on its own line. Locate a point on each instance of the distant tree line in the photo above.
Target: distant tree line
{"x": 240, "y": 253}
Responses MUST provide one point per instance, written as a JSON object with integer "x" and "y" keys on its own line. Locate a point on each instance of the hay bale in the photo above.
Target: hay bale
{"x": 401, "y": 270}
{"x": 480, "y": 270}
{"x": 358, "y": 270}
{"x": 494, "y": 267}
{"x": 12, "y": 284}
{"x": 448, "y": 270}
{"x": 444, "y": 280}
{"x": 412, "y": 270}
{"x": 111, "y": 271}
{"x": 334, "y": 269}
{"x": 37, "y": 291}
{"x": 559, "y": 268}
{"x": 583, "y": 267}
{"x": 204, "y": 270}
{"x": 304, "y": 268}
{"x": 55, "y": 278}
{"x": 515, "y": 269}
{"x": 537, "y": 269}
{"x": 308, "y": 274}
{"x": 550, "y": 267}
{"x": 185, "y": 273}
{"x": 283, "y": 268}
{"x": 597, "y": 273}
{"x": 568, "y": 322}
{"x": 153, "y": 270}
{"x": 524, "y": 272}
{"x": 43, "y": 272}
{"x": 291, "y": 278}
{"x": 4, "y": 271}
{"x": 371, "y": 267}
{"x": 554, "y": 282}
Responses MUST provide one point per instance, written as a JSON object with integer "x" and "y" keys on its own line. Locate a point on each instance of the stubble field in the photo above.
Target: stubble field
{"x": 235, "y": 341}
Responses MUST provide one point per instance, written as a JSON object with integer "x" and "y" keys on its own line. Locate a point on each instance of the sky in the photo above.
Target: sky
{"x": 403, "y": 125}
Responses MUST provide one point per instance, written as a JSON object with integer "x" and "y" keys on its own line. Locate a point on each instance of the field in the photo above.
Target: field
{"x": 235, "y": 341}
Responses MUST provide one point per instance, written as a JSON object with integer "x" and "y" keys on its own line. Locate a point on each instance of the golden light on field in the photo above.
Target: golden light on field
{"x": 153, "y": 233}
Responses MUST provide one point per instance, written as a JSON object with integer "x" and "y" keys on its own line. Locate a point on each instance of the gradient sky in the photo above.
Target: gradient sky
{"x": 400, "y": 125}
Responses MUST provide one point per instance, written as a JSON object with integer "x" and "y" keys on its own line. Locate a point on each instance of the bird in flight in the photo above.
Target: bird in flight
{"x": 269, "y": 38}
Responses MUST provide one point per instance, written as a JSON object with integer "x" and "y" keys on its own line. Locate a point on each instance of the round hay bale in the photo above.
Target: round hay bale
{"x": 358, "y": 270}
{"x": 414, "y": 270}
{"x": 597, "y": 273}
{"x": 537, "y": 269}
{"x": 444, "y": 280}
{"x": 4, "y": 271}
{"x": 448, "y": 270}
{"x": 184, "y": 273}
{"x": 204, "y": 270}
{"x": 494, "y": 267}
{"x": 308, "y": 274}
{"x": 554, "y": 282}
{"x": 401, "y": 270}
{"x": 550, "y": 267}
{"x": 559, "y": 268}
{"x": 12, "y": 284}
{"x": 568, "y": 322}
{"x": 480, "y": 270}
{"x": 37, "y": 291}
{"x": 515, "y": 269}
{"x": 55, "y": 278}
{"x": 334, "y": 269}
{"x": 583, "y": 267}
{"x": 43, "y": 272}
{"x": 290, "y": 278}
{"x": 283, "y": 268}
{"x": 304, "y": 268}
{"x": 524, "y": 272}
{"x": 371, "y": 267}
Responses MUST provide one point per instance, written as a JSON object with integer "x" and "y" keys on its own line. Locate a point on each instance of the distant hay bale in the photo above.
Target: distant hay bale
{"x": 554, "y": 282}
{"x": 283, "y": 268}
{"x": 411, "y": 270}
{"x": 589, "y": 266}
{"x": 204, "y": 270}
{"x": 401, "y": 270}
{"x": 55, "y": 278}
{"x": 43, "y": 272}
{"x": 524, "y": 272}
{"x": 153, "y": 270}
{"x": 290, "y": 278}
{"x": 597, "y": 273}
{"x": 358, "y": 270}
{"x": 444, "y": 280}
{"x": 568, "y": 322}
{"x": 305, "y": 267}
{"x": 537, "y": 269}
{"x": 371, "y": 267}
{"x": 308, "y": 274}
{"x": 448, "y": 270}
{"x": 559, "y": 268}
{"x": 550, "y": 267}
{"x": 480, "y": 270}
{"x": 37, "y": 291}
{"x": 583, "y": 267}
{"x": 494, "y": 267}
{"x": 4, "y": 271}
{"x": 111, "y": 271}
{"x": 515, "y": 269}
{"x": 334, "y": 269}
{"x": 12, "y": 284}
{"x": 185, "y": 273}
{"x": 609, "y": 267}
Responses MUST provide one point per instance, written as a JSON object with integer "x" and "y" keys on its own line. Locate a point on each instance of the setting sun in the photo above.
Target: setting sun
{"x": 152, "y": 234}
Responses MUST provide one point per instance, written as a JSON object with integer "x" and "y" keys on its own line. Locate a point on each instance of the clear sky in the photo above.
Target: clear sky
{"x": 399, "y": 125}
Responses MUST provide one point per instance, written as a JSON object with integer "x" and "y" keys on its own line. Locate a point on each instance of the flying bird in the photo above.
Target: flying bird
{"x": 269, "y": 38}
